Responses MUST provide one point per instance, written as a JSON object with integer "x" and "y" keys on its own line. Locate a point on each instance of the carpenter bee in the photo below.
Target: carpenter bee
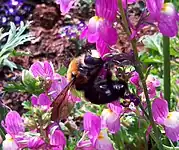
{"x": 92, "y": 75}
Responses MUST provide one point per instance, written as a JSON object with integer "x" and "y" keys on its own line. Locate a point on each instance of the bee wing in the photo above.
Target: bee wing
{"x": 60, "y": 104}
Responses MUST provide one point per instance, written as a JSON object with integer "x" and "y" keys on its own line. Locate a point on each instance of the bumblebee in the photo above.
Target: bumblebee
{"x": 92, "y": 75}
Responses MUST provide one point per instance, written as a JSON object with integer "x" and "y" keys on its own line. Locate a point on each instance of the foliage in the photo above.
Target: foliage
{"x": 28, "y": 85}
{"x": 14, "y": 37}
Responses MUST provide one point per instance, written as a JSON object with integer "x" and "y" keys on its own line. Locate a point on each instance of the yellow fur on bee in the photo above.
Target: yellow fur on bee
{"x": 72, "y": 69}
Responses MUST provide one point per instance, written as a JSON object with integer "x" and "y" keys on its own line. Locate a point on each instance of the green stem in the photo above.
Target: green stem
{"x": 166, "y": 54}
{"x": 141, "y": 75}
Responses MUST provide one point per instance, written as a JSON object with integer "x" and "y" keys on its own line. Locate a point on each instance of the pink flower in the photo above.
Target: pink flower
{"x": 166, "y": 16}
{"x": 9, "y": 143}
{"x": 111, "y": 117}
{"x": 152, "y": 84}
{"x": 57, "y": 140}
{"x": 101, "y": 25}
{"x": 103, "y": 141}
{"x": 35, "y": 142}
{"x": 106, "y": 9}
{"x": 170, "y": 120}
{"x": 98, "y": 136}
{"x": 44, "y": 70}
{"x": 84, "y": 145}
{"x": 42, "y": 101}
{"x": 135, "y": 79}
{"x": 97, "y": 32}
{"x": 13, "y": 123}
{"x": 65, "y": 5}
{"x": 16, "y": 136}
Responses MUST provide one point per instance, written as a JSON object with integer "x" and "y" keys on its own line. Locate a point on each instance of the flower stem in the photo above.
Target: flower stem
{"x": 141, "y": 75}
{"x": 166, "y": 54}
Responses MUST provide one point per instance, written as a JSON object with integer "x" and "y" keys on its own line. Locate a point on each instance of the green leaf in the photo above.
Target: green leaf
{"x": 14, "y": 87}
{"x": 16, "y": 37}
{"x": 27, "y": 105}
{"x": 153, "y": 42}
{"x": 3, "y": 112}
{"x": 20, "y": 53}
{"x": 62, "y": 71}
{"x": 27, "y": 77}
{"x": 10, "y": 64}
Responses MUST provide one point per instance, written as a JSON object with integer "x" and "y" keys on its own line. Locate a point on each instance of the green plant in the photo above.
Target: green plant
{"x": 15, "y": 37}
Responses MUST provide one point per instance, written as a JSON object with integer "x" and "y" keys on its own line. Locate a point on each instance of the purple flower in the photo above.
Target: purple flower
{"x": 170, "y": 120}
{"x": 35, "y": 142}
{"x": 98, "y": 136}
{"x": 13, "y": 123}
{"x": 16, "y": 136}
{"x": 97, "y": 32}
{"x": 65, "y": 5}
{"x": 152, "y": 84}
{"x": 44, "y": 70}
{"x": 92, "y": 125}
{"x": 57, "y": 87}
{"x": 106, "y": 9}
{"x": 135, "y": 79}
{"x": 166, "y": 16}
{"x": 111, "y": 117}
{"x": 9, "y": 143}
{"x": 57, "y": 140}
{"x": 103, "y": 141}
{"x": 42, "y": 100}
{"x": 101, "y": 25}
{"x": 84, "y": 145}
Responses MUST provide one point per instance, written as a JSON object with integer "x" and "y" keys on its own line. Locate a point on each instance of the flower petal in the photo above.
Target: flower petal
{"x": 102, "y": 47}
{"x": 48, "y": 69}
{"x": 151, "y": 90}
{"x": 92, "y": 124}
{"x": 9, "y": 143}
{"x": 44, "y": 100}
{"x": 172, "y": 133}
{"x": 104, "y": 30}
{"x": 160, "y": 110}
{"x": 58, "y": 139}
{"x": 110, "y": 120}
{"x": 115, "y": 107}
{"x": 84, "y": 145}
{"x": 65, "y": 5}
{"x": 154, "y": 7}
{"x": 37, "y": 69}
{"x": 106, "y": 9}
{"x": 135, "y": 79}
{"x": 168, "y": 25}
{"x": 14, "y": 123}
{"x": 103, "y": 142}
{"x": 35, "y": 142}
{"x": 172, "y": 120}
{"x": 34, "y": 100}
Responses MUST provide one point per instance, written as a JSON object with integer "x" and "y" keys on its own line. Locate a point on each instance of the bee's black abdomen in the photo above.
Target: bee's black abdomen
{"x": 105, "y": 91}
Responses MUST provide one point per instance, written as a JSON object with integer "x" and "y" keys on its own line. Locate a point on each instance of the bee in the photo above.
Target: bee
{"x": 92, "y": 75}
